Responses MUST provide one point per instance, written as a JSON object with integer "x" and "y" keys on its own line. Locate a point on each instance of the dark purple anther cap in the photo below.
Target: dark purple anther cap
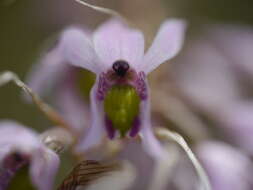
{"x": 120, "y": 67}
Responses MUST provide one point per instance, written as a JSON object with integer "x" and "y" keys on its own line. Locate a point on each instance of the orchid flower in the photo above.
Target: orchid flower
{"x": 19, "y": 147}
{"x": 120, "y": 96}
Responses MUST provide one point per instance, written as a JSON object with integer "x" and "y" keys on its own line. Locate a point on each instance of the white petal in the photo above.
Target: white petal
{"x": 116, "y": 41}
{"x": 166, "y": 45}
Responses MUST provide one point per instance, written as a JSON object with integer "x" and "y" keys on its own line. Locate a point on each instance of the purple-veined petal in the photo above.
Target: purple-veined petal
{"x": 43, "y": 168}
{"x": 166, "y": 44}
{"x": 76, "y": 48}
{"x": 114, "y": 40}
{"x": 96, "y": 131}
{"x": 226, "y": 166}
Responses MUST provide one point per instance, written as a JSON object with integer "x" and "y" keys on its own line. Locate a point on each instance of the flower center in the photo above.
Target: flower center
{"x": 121, "y": 106}
{"x": 120, "y": 67}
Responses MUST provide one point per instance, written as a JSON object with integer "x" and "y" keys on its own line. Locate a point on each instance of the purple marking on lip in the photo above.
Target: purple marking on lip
{"x": 109, "y": 128}
{"x": 102, "y": 87}
{"x": 141, "y": 86}
{"x": 135, "y": 128}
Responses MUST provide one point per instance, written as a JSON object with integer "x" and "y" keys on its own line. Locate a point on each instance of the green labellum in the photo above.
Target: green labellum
{"x": 121, "y": 106}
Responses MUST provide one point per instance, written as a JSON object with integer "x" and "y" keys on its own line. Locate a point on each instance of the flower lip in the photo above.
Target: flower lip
{"x": 120, "y": 67}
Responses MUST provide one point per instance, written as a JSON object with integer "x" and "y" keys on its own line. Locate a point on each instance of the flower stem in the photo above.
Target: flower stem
{"x": 53, "y": 115}
{"x": 165, "y": 134}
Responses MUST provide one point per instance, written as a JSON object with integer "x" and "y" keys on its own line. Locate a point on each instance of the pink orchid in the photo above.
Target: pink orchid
{"x": 115, "y": 53}
{"x": 20, "y": 146}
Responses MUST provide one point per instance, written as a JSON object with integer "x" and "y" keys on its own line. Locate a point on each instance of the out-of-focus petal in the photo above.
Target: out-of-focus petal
{"x": 114, "y": 40}
{"x": 72, "y": 106}
{"x": 235, "y": 42}
{"x": 76, "y": 48}
{"x": 96, "y": 131}
{"x": 166, "y": 45}
{"x": 43, "y": 168}
{"x": 134, "y": 152}
{"x": 204, "y": 76}
{"x": 26, "y": 140}
{"x": 226, "y": 167}
{"x": 15, "y": 138}
{"x": 238, "y": 123}
{"x": 47, "y": 72}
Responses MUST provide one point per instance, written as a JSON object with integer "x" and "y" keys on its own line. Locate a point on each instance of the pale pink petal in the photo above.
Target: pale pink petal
{"x": 227, "y": 167}
{"x": 96, "y": 131}
{"x": 151, "y": 145}
{"x": 26, "y": 140}
{"x": 166, "y": 45}
{"x": 237, "y": 121}
{"x": 76, "y": 48}
{"x": 72, "y": 106}
{"x": 14, "y": 137}
{"x": 114, "y": 40}
{"x": 43, "y": 168}
{"x": 235, "y": 42}
{"x": 204, "y": 76}
{"x": 44, "y": 75}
